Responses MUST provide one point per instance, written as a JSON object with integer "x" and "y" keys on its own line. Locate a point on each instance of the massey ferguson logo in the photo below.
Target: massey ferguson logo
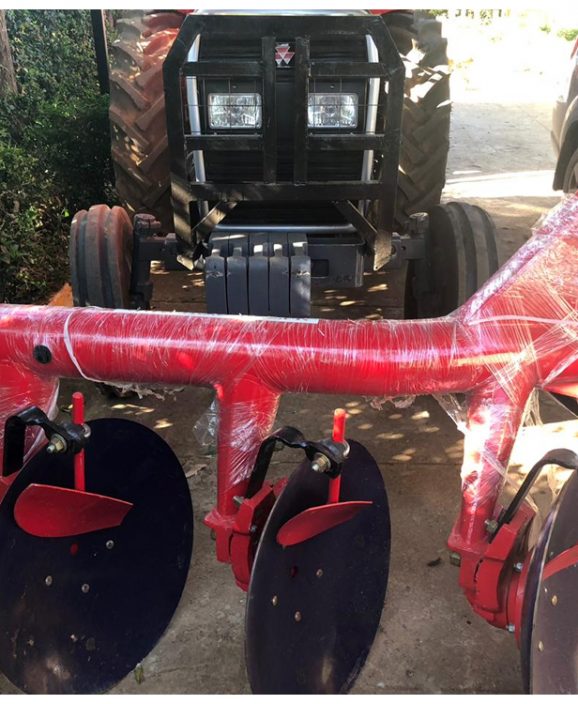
{"x": 283, "y": 54}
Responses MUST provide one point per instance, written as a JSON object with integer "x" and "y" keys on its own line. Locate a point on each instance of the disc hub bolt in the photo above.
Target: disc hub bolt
{"x": 320, "y": 463}
{"x": 297, "y": 616}
{"x": 57, "y": 444}
{"x": 455, "y": 559}
{"x": 109, "y": 544}
{"x": 491, "y": 526}
{"x": 275, "y": 601}
{"x": 518, "y": 567}
{"x": 48, "y": 581}
{"x": 85, "y": 588}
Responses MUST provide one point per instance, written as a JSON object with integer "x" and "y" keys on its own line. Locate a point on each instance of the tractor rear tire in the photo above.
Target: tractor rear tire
{"x": 137, "y": 112}
{"x": 426, "y": 114}
{"x": 460, "y": 256}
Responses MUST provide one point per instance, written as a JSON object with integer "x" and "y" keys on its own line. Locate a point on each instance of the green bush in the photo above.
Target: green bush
{"x": 54, "y": 149}
{"x": 569, "y": 34}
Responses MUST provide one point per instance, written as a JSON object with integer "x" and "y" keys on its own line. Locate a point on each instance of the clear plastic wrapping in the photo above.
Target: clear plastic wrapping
{"x": 482, "y": 362}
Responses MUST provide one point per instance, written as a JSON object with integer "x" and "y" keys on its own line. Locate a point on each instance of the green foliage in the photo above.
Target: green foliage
{"x": 569, "y": 34}
{"x": 54, "y": 148}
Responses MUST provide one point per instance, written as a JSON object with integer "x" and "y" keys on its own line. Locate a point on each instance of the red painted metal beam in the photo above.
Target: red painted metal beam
{"x": 517, "y": 333}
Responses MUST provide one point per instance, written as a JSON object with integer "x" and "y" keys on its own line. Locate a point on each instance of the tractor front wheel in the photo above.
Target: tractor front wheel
{"x": 100, "y": 251}
{"x": 460, "y": 256}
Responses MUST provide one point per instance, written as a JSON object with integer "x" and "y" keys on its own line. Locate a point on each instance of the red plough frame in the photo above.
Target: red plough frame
{"x": 518, "y": 333}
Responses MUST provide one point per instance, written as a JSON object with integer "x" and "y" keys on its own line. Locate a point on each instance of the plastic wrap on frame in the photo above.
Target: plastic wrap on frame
{"x": 517, "y": 333}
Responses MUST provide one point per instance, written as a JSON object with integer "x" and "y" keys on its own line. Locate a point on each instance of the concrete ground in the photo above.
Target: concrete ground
{"x": 429, "y": 640}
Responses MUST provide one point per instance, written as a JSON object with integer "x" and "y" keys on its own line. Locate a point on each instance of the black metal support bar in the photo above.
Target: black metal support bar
{"x": 349, "y": 142}
{"x": 301, "y": 109}
{"x": 335, "y": 452}
{"x": 269, "y": 109}
{"x": 361, "y": 224}
{"x": 72, "y": 437}
{"x": 100, "y": 49}
{"x": 391, "y": 125}
{"x": 224, "y": 69}
{"x": 342, "y": 69}
{"x": 204, "y": 228}
{"x": 228, "y": 142}
{"x": 312, "y": 190}
{"x": 378, "y": 240}
{"x": 561, "y": 457}
{"x": 255, "y": 27}
{"x": 180, "y": 193}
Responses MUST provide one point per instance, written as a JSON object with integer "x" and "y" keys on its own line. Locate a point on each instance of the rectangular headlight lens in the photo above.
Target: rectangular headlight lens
{"x": 337, "y": 110}
{"x": 234, "y": 111}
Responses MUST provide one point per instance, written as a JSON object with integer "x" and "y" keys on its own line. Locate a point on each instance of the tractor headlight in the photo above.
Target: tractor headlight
{"x": 337, "y": 110}
{"x": 234, "y": 111}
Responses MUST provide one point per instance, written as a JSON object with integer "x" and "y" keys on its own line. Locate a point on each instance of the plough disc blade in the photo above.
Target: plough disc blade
{"x": 549, "y": 637}
{"x": 78, "y": 613}
{"x": 313, "y": 609}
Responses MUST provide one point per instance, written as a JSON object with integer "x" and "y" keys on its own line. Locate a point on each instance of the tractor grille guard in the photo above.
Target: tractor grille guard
{"x": 302, "y": 29}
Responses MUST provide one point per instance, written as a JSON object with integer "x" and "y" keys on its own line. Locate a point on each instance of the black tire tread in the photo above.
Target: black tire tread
{"x": 100, "y": 247}
{"x": 426, "y": 115}
{"x": 461, "y": 256}
{"x": 139, "y": 143}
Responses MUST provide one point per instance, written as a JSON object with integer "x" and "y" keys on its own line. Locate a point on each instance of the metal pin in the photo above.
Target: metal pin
{"x": 455, "y": 559}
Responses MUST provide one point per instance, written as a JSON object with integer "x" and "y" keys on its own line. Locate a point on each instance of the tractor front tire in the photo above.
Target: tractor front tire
{"x": 461, "y": 254}
{"x": 137, "y": 112}
{"x": 100, "y": 253}
{"x": 426, "y": 114}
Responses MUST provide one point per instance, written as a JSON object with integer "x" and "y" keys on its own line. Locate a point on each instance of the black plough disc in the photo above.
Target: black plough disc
{"x": 313, "y": 609}
{"x": 78, "y": 614}
{"x": 549, "y": 638}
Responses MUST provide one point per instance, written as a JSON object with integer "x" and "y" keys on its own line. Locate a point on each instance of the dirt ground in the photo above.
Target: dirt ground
{"x": 429, "y": 640}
